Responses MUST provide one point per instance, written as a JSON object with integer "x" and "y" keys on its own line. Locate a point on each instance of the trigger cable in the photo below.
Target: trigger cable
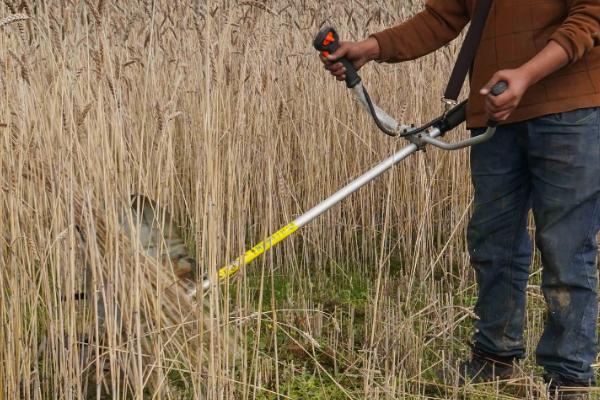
{"x": 373, "y": 113}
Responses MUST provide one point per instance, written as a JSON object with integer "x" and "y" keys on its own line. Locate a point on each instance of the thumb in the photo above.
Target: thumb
{"x": 339, "y": 53}
{"x": 492, "y": 82}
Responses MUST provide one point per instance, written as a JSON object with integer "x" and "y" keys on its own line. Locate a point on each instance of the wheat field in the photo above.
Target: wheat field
{"x": 222, "y": 113}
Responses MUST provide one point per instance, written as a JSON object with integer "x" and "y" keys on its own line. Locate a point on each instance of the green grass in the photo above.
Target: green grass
{"x": 307, "y": 385}
{"x": 309, "y": 371}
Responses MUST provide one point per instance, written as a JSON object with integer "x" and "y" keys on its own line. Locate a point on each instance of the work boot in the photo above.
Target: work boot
{"x": 485, "y": 367}
{"x": 561, "y": 388}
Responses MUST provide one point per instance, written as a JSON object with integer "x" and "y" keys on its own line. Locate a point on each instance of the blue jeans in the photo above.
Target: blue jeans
{"x": 549, "y": 164}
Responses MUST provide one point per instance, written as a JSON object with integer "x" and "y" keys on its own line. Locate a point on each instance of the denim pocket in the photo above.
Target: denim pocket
{"x": 578, "y": 117}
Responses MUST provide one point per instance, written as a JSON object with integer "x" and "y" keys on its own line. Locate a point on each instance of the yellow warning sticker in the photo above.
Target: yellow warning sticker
{"x": 258, "y": 250}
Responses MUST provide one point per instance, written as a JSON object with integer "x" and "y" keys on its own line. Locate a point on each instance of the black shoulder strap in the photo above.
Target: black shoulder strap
{"x": 468, "y": 50}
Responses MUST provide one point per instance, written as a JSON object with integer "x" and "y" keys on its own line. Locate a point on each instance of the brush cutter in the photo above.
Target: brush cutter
{"x": 327, "y": 42}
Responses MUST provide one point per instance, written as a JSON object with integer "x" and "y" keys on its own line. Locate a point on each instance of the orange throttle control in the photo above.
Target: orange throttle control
{"x": 327, "y": 42}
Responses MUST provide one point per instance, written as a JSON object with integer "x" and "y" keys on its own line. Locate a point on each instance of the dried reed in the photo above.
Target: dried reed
{"x": 221, "y": 111}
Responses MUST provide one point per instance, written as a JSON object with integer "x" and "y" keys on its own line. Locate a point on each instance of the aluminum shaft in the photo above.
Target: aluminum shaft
{"x": 359, "y": 182}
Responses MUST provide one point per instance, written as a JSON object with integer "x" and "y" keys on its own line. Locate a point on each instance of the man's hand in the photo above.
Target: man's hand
{"x": 358, "y": 53}
{"x": 552, "y": 58}
{"x": 499, "y": 108}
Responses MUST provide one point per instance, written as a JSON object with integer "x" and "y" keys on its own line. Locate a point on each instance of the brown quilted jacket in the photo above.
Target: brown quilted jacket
{"x": 515, "y": 32}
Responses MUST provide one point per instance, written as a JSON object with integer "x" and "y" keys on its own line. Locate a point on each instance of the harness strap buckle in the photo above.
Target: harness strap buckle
{"x": 448, "y": 104}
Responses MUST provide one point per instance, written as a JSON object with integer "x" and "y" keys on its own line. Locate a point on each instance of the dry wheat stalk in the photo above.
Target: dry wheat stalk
{"x": 13, "y": 18}
{"x": 253, "y": 147}
{"x": 176, "y": 310}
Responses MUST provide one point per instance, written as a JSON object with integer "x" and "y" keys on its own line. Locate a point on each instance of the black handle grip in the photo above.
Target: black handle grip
{"x": 497, "y": 90}
{"x": 454, "y": 117}
{"x": 327, "y": 42}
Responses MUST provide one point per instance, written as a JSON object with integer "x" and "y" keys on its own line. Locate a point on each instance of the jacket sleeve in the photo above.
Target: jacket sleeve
{"x": 427, "y": 31}
{"x": 580, "y": 32}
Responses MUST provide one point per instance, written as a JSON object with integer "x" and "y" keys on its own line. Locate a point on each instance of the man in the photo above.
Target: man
{"x": 545, "y": 156}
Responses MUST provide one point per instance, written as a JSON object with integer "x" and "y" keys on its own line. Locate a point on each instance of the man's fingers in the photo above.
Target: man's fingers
{"x": 335, "y": 68}
{"x": 499, "y": 108}
{"x": 492, "y": 113}
{"x": 497, "y": 104}
{"x": 497, "y": 77}
{"x": 488, "y": 86}
{"x": 501, "y": 116}
{"x": 503, "y": 111}
{"x": 501, "y": 101}
{"x": 339, "y": 53}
